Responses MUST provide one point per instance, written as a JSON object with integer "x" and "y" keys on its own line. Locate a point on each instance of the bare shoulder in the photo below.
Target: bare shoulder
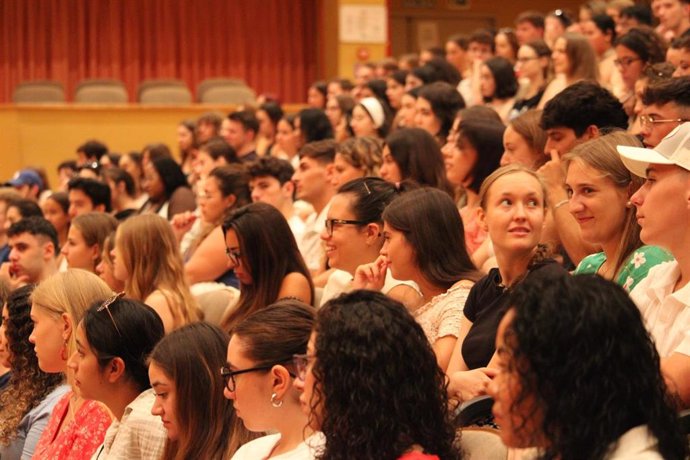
{"x": 295, "y": 284}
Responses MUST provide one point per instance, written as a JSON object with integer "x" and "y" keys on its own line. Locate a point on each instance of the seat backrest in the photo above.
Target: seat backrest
{"x": 39, "y": 92}
{"x": 482, "y": 443}
{"x": 101, "y": 92}
{"x": 228, "y": 95}
{"x": 215, "y": 302}
{"x": 158, "y": 83}
{"x": 209, "y": 83}
{"x": 166, "y": 95}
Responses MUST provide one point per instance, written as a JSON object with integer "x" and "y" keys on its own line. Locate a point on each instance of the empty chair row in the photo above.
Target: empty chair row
{"x": 107, "y": 91}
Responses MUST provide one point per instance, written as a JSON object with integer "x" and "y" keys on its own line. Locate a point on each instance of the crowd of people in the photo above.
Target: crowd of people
{"x": 506, "y": 215}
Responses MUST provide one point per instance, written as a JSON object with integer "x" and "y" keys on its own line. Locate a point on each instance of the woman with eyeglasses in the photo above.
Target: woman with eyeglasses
{"x": 77, "y": 426}
{"x": 353, "y": 237}
{"x": 424, "y": 242}
{"x": 147, "y": 258}
{"x": 113, "y": 341}
{"x": 263, "y": 252}
{"x": 533, "y": 64}
{"x": 370, "y": 383}
{"x": 599, "y": 188}
{"x": 184, "y": 371}
{"x": 31, "y": 394}
{"x": 260, "y": 376}
{"x": 635, "y": 50}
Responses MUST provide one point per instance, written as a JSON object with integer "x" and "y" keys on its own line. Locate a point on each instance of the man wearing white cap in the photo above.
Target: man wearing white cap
{"x": 663, "y": 212}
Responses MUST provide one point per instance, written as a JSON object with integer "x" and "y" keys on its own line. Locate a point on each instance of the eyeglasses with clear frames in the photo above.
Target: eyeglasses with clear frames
{"x": 106, "y": 306}
{"x": 648, "y": 121}
{"x": 301, "y": 363}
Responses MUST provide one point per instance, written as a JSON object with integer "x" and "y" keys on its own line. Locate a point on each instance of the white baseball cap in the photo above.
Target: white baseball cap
{"x": 674, "y": 149}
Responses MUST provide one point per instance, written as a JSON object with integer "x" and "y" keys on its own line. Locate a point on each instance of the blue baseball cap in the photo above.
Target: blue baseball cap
{"x": 25, "y": 177}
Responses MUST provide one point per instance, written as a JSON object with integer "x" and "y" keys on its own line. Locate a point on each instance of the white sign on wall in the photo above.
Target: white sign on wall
{"x": 363, "y": 24}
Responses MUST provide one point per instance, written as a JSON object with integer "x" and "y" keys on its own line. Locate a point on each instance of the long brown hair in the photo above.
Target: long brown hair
{"x": 432, "y": 225}
{"x": 269, "y": 251}
{"x": 191, "y": 357}
{"x": 152, "y": 258}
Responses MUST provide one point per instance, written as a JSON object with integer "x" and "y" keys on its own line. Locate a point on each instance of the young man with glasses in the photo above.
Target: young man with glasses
{"x": 666, "y": 105}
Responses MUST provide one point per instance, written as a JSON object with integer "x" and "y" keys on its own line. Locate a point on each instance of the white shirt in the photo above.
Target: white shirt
{"x": 138, "y": 435}
{"x": 297, "y": 226}
{"x": 310, "y": 244}
{"x": 666, "y": 313}
{"x": 340, "y": 281}
{"x": 636, "y": 444}
{"x": 261, "y": 448}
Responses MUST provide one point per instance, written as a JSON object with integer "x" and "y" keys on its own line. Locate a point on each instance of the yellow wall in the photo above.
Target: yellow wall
{"x": 44, "y": 135}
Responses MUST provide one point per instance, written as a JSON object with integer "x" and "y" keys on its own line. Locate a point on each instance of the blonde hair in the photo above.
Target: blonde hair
{"x": 543, "y": 251}
{"x": 153, "y": 262}
{"x": 601, "y": 154}
{"x": 71, "y": 293}
{"x": 505, "y": 171}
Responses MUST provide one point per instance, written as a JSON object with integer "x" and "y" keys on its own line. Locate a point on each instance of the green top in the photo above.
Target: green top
{"x": 633, "y": 270}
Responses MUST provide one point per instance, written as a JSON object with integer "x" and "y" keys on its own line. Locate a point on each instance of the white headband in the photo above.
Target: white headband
{"x": 374, "y": 109}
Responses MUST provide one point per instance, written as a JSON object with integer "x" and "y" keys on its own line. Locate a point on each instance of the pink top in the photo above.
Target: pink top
{"x": 474, "y": 232}
{"x": 418, "y": 456}
{"x": 80, "y": 438}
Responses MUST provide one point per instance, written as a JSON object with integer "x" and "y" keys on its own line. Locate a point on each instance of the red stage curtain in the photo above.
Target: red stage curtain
{"x": 271, "y": 44}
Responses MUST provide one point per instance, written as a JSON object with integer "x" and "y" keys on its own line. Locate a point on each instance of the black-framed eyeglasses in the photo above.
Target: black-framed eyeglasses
{"x": 648, "y": 120}
{"x": 234, "y": 255}
{"x": 106, "y": 306}
{"x": 229, "y": 375}
{"x": 331, "y": 222}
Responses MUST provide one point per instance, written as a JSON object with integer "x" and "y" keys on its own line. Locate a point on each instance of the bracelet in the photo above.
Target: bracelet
{"x": 560, "y": 203}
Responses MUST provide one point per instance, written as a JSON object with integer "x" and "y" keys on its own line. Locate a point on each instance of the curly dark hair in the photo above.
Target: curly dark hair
{"x": 580, "y": 348}
{"x": 581, "y": 105}
{"x": 28, "y": 385}
{"x": 378, "y": 383}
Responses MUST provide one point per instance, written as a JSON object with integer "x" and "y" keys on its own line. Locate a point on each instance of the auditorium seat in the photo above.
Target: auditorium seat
{"x": 215, "y": 301}
{"x": 39, "y": 92}
{"x": 225, "y": 91}
{"x": 164, "y": 92}
{"x": 101, "y": 91}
